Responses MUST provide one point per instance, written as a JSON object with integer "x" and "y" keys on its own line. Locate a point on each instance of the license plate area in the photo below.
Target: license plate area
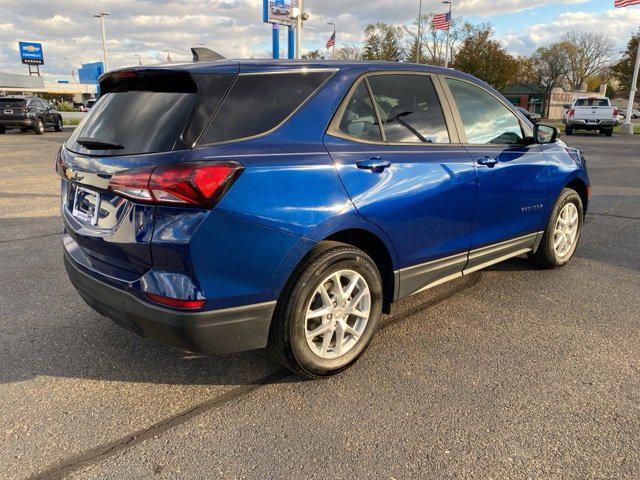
{"x": 85, "y": 204}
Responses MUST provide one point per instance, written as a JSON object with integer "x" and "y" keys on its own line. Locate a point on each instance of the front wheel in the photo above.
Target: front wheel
{"x": 328, "y": 312}
{"x": 562, "y": 233}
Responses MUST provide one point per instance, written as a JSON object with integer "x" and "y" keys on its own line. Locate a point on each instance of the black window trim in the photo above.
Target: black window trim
{"x": 449, "y": 119}
{"x": 526, "y": 131}
{"x": 285, "y": 120}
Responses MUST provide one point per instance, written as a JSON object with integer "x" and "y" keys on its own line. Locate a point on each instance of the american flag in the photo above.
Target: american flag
{"x": 442, "y": 21}
{"x": 332, "y": 40}
{"x": 625, "y": 3}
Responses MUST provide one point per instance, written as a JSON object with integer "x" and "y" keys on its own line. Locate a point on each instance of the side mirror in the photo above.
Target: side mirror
{"x": 544, "y": 133}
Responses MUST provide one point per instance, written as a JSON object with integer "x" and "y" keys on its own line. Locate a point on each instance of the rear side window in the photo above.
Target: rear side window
{"x": 359, "y": 117}
{"x": 258, "y": 103}
{"x": 592, "y": 102}
{"x": 486, "y": 120}
{"x": 409, "y": 109}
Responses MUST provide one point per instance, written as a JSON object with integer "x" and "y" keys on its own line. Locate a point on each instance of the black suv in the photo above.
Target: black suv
{"x": 28, "y": 113}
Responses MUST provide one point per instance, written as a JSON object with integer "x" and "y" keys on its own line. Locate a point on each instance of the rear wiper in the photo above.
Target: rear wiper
{"x": 91, "y": 143}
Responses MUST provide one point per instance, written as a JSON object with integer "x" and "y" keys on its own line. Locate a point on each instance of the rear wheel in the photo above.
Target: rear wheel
{"x": 568, "y": 130}
{"x": 2, "y": 130}
{"x": 24, "y": 129}
{"x": 39, "y": 127}
{"x": 58, "y": 125}
{"x": 562, "y": 234}
{"x": 607, "y": 131}
{"x": 328, "y": 312}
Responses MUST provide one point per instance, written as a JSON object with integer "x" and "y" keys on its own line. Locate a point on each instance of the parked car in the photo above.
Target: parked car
{"x": 90, "y": 104}
{"x": 288, "y": 204}
{"x": 28, "y": 113}
{"x": 531, "y": 116}
{"x": 79, "y": 106}
{"x": 591, "y": 114}
{"x": 635, "y": 113}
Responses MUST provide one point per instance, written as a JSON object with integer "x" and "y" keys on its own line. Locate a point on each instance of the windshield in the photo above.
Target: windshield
{"x": 134, "y": 121}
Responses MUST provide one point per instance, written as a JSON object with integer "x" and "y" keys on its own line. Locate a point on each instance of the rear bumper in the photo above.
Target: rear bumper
{"x": 592, "y": 126}
{"x": 16, "y": 123}
{"x": 218, "y": 331}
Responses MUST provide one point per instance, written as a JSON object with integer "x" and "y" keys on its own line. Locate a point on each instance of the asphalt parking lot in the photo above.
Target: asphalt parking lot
{"x": 511, "y": 373}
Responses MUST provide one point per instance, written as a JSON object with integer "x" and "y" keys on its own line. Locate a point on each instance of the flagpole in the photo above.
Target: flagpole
{"x": 419, "y": 33}
{"x": 628, "y": 127}
{"x": 449, "y": 35}
{"x": 333, "y": 52}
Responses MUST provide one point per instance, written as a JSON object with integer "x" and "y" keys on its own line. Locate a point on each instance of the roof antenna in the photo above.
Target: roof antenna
{"x": 202, "y": 54}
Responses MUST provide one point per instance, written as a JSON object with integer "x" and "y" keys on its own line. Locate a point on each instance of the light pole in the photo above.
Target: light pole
{"x": 139, "y": 58}
{"x": 299, "y": 16}
{"x": 419, "y": 40}
{"x": 168, "y": 55}
{"x": 628, "y": 127}
{"x": 101, "y": 16}
{"x": 448, "y": 34}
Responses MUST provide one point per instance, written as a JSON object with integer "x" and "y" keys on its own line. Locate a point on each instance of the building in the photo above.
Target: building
{"x": 16, "y": 84}
{"x": 526, "y": 95}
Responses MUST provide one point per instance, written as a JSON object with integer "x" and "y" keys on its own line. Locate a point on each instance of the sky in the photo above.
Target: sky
{"x": 71, "y": 36}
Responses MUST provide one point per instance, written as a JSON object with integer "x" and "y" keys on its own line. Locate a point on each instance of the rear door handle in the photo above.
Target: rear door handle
{"x": 488, "y": 160}
{"x": 375, "y": 164}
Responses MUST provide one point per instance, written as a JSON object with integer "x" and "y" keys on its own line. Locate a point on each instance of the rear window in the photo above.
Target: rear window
{"x": 12, "y": 102}
{"x": 149, "y": 111}
{"x": 258, "y": 103}
{"x": 592, "y": 102}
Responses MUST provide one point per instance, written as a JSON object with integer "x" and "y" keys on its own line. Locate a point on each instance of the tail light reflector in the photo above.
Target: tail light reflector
{"x": 199, "y": 184}
{"x": 572, "y": 112}
{"x": 615, "y": 112}
{"x": 175, "y": 302}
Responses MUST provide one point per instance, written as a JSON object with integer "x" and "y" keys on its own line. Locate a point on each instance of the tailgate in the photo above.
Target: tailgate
{"x": 593, "y": 113}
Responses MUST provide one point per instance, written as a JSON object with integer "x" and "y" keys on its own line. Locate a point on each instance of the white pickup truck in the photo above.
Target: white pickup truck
{"x": 591, "y": 114}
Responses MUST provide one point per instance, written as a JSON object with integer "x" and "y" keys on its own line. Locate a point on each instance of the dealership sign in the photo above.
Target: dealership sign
{"x": 31, "y": 53}
{"x": 279, "y": 11}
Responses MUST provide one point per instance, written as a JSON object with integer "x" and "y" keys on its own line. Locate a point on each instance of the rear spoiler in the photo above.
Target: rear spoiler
{"x": 201, "y": 54}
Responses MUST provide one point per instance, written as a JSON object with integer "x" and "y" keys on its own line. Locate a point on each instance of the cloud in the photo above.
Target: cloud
{"x": 618, "y": 24}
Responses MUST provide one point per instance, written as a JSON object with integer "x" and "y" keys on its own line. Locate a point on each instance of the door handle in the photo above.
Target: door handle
{"x": 375, "y": 164}
{"x": 488, "y": 160}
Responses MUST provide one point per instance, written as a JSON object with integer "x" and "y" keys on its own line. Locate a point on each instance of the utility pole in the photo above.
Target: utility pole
{"x": 628, "y": 127}
{"x": 299, "y": 17}
{"x": 101, "y": 16}
{"x": 419, "y": 40}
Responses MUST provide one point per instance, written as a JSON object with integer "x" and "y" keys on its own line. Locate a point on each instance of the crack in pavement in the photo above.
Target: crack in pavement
{"x": 31, "y": 238}
{"x": 109, "y": 449}
{"x": 596, "y": 214}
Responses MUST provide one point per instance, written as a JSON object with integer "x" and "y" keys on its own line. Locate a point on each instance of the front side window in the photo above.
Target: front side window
{"x": 485, "y": 119}
{"x": 258, "y": 103}
{"x": 359, "y": 117}
{"x": 409, "y": 108}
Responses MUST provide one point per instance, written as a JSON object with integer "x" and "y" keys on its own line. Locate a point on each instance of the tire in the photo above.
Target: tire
{"x": 24, "y": 129}
{"x": 608, "y": 132}
{"x": 39, "y": 127}
{"x": 58, "y": 125}
{"x": 288, "y": 343}
{"x": 547, "y": 255}
{"x": 568, "y": 130}
{"x": 3, "y": 130}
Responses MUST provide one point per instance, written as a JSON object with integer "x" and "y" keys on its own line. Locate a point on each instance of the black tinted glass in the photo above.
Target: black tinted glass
{"x": 257, "y": 103}
{"x": 359, "y": 118}
{"x": 485, "y": 119}
{"x": 139, "y": 121}
{"x": 409, "y": 109}
{"x": 12, "y": 102}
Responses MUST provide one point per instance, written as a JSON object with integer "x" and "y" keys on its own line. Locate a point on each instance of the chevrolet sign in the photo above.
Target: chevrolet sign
{"x": 31, "y": 53}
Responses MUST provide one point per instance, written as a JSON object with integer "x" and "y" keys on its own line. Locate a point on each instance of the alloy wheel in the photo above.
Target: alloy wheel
{"x": 566, "y": 230}
{"x": 337, "y": 314}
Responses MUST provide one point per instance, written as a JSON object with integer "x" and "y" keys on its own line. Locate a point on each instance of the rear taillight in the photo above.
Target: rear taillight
{"x": 615, "y": 112}
{"x": 176, "y": 302}
{"x": 572, "y": 112}
{"x": 200, "y": 184}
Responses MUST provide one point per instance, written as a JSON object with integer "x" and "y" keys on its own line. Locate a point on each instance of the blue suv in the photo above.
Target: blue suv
{"x": 235, "y": 205}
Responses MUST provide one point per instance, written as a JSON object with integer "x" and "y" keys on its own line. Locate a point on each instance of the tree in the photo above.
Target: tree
{"x": 348, "y": 52}
{"x": 623, "y": 69}
{"x": 485, "y": 58}
{"x": 526, "y": 71}
{"x": 587, "y": 53}
{"x": 550, "y": 64}
{"x": 433, "y": 43}
{"x": 383, "y": 42}
{"x": 314, "y": 55}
